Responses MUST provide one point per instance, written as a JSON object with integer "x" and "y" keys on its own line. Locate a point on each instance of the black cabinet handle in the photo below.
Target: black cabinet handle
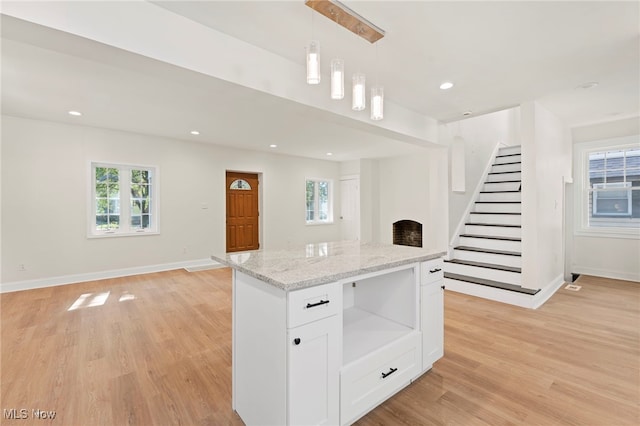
{"x": 433, "y": 271}
{"x": 385, "y": 375}
{"x": 296, "y": 341}
{"x": 313, "y": 305}
{"x": 442, "y": 287}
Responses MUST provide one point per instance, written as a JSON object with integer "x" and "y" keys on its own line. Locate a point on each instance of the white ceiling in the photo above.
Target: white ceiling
{"x": 498, "y": 54}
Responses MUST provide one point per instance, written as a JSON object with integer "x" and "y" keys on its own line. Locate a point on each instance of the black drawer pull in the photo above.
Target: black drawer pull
{"x": 313, "y": 305}
{"x": 433, "y": 271}
{"x": 385, "y": 375}
{"x": 296, "y": 341}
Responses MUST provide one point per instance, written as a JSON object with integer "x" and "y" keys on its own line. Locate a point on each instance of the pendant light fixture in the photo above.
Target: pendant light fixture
{"x": 377, "y": 96}
{"x": 337, "y": 78}
{"x": 359, "y": 98}
{"x": 377, "y": 103}
{"x": 313, "y": 62}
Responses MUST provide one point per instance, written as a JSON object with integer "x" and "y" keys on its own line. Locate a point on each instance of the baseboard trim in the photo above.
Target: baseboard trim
{"x": 546, "y": 293}
{"x": 114, "y": 273}
{"x": 605, "y": 273}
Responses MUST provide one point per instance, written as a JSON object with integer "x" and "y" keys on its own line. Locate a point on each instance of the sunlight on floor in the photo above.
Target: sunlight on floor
{"x": 87, "y": 301}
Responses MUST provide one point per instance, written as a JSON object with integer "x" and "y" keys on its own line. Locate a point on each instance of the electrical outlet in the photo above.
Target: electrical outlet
{"x": 184, "y": 250}
{"x": 22, "y": 267}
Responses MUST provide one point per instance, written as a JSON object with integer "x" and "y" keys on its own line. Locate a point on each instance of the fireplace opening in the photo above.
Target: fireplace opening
{"x": 407, "y": 233}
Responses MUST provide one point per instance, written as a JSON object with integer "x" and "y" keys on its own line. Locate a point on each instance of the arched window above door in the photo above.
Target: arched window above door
{"x": 240, "y": 184}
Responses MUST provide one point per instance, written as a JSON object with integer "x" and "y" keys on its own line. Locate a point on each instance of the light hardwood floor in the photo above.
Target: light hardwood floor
{"x": 156, "y": 349}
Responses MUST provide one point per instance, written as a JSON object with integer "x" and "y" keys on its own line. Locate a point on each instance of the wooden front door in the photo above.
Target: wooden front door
{"x": 242, "y": 211}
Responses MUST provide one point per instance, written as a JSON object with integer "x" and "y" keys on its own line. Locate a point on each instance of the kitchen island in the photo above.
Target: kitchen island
{"x": 323, "y": 333}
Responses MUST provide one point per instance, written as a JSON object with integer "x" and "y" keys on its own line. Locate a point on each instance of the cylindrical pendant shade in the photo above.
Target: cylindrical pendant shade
{"x": 337, "y": 78}
{"x": 377, "y": 103}
{"x": 313, "y": 62}
{"x": 359, "y": 101}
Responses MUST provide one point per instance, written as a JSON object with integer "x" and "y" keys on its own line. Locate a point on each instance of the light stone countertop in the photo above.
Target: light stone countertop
{"x": 321, "y": 263}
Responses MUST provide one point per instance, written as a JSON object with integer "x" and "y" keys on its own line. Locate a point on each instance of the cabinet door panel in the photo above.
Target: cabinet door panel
{"x": 314, "y": 373}
{"x": 432, "y": 323}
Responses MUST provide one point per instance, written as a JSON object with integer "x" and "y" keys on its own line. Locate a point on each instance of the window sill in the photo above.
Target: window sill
{"x": 628, "y": 233}
{"x": 319, "y": 223}
{"x": 122, "y": 234}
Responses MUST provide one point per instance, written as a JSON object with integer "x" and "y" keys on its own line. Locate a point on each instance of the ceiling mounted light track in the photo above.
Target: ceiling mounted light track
{"x": 347, "y": 18}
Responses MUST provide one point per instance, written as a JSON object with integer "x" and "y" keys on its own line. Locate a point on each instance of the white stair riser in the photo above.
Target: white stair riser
{"x": 500, "y": 196}
{"x": 504, "y": 296}
{"x": 491, "y": 244}
{"x": 497, "y": 231}
{"x": 499, "y": 219}
{"x": 515, "y": 149}
{"x": 496, "y": 259}
{"x": 504, "y": 177}
{"x": 498, "y": 168}
{"x": 498, "y": 207}
{"x": 508, "y": 277}
{"x": 509, "y": 159}
{"x": 501, "y": 186}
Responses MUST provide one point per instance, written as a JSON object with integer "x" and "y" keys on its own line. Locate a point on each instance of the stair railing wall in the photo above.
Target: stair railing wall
{"x": 463, "y": 219}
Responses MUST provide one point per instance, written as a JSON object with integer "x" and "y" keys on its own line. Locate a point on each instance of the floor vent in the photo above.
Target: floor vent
{"x": 573, "y": 287}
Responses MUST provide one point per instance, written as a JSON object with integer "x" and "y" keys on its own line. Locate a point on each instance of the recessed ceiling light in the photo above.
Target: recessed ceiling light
{"x": 195, "y": 132}
{"x": 467, "y": 113}
{"x": 329, "y": 154}
{"x": 75, "y": 113}
{"x": 273, "y": 145}
{"x": 446, "y": 85}
{"x": 589, "y": 85}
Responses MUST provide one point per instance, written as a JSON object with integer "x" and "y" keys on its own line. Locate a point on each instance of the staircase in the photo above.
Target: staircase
{"x": 489, "y": 253}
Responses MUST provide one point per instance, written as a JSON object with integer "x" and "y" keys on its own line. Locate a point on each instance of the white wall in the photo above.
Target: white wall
{"x": 45, "y": 169}
{"x": 546, "y": 152}
{"x": 602, "y": 255}
{"x": 480, "y": 135}
{"x": 415, "y": 187}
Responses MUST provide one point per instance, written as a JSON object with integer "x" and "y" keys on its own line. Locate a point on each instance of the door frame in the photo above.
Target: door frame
{"x": 260, "y": 209}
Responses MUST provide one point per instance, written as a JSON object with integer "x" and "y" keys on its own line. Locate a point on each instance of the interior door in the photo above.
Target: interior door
{"x": 350, "y": 208}
{"x": 242, "y": 212}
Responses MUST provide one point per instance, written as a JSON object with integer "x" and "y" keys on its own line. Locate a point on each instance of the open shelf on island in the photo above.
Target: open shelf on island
{"x": 378, "y": 309}
{"x": 364, "y": 332}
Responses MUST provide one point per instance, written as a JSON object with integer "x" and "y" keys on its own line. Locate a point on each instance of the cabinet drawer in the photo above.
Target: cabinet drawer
{"x": 431, "y": 270}
{"x": 371, "y": 380}
{"x": 313, "y": 303}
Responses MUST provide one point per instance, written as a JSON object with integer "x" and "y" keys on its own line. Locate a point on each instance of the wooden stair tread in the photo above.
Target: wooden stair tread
{"x": 485, "y": 265}
{"x": 504, "y": 164}
{"x": 491, "y": 283}
{"x": 497, "y": 192}
{"x": 499, "y": 202}
{"x": 505, "y": 181}
{"x": 491, "y": 237}
{"x": 496, "y": 213}
{"x": 489, "y": 251}
{"x": 492, "y": 224}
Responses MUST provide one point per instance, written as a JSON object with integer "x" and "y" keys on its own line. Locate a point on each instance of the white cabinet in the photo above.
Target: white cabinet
{"x": 314, "y": 368}
{"x": 329, "y": 354}
{"x": 432, "y": 312}
{"x": 432, "y": 324}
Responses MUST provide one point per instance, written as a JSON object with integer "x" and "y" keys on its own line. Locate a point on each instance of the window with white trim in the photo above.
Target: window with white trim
{"x": 613, "y": 189}
{"x": 123, "y": 200}
{"x": 319, "y": 196}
